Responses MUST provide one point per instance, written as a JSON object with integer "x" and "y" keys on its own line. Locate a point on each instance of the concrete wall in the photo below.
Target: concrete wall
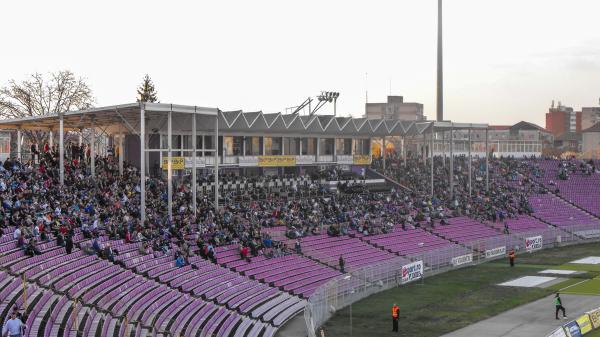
{"x": 591, "y": 144}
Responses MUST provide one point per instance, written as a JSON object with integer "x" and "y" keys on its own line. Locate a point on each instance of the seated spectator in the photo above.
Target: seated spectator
{"x": 108, "y": 253}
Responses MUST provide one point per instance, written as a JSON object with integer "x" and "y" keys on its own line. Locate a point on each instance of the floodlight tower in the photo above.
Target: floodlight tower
{"x": 440, "y": 67}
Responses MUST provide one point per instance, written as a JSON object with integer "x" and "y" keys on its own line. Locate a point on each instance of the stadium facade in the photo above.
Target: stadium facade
{"x": 250, "y": 142}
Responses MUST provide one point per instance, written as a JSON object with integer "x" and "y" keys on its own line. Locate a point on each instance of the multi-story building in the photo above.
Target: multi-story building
{"x": 591, "y": 141}
{"x": 522, "y": 139}
{"x": 590, "y": 116}
{"x": 562, "y": 119}
{"x": 395, "y": 108}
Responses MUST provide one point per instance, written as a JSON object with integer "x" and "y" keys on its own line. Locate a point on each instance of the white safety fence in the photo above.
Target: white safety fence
{"x": 366, "y": 281}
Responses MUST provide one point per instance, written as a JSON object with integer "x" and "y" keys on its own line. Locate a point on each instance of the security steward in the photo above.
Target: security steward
{"x": 511, "y": 257}
{"x": 395, "y": 316}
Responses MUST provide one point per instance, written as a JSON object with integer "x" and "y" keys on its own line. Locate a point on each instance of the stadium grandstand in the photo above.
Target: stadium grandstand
{"x": 152, "y": 219}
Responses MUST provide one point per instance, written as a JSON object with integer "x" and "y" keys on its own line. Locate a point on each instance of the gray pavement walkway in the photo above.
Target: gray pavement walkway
{"x": 295, "y": 327}
{"x": 535, "y": 319}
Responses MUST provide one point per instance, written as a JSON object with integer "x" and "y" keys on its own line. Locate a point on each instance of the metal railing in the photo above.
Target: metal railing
{"x": 360, "y": 283}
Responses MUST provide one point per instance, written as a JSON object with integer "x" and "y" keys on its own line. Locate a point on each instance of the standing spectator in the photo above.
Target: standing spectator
{"x": 69, "y": 244}
{"x": 511, "y": 257}
{"x": 341, "y": 262}
{"x": 13, "y": 327}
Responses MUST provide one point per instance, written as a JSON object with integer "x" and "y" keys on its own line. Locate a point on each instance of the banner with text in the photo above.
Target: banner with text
{"x": 189, "y": 162}
{"x": 534, "y": 243}
{"x": 595, "y": 318}
{"x": 498, "y": 251}
{"x": 361, "y": 159}
{"x": 275, "y": 161}
{"x": 559, "y": 332}
{"x": 585, "y": 325}
{"x": 463, "y": 259}
{"x": 572, "y": 329}
{"x": 177, "y": 163}
{"x": 412, "y": 271}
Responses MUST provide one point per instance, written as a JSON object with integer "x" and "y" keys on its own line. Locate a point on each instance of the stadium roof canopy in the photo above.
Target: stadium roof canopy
{"x": 126, "y": 118}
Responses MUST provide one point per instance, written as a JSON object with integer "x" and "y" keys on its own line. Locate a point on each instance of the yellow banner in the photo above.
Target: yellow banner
{"x": 595, "y": 318}
{"x": 274, "y": 161}
{"x": 361, "y": 159}
{"x": 585, "y": 325}
{"x": 178, "y": 163}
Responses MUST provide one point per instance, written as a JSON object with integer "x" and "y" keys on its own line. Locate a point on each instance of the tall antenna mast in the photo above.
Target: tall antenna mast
{"x": 440, "y": 67}
{"x": 366, "y": 87}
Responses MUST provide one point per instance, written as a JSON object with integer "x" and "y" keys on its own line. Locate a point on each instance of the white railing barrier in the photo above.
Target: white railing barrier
{"x": 360, "y": 283}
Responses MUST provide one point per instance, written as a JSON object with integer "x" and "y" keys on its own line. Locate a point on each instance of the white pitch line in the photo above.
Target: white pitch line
{"x": 572, "y": 285}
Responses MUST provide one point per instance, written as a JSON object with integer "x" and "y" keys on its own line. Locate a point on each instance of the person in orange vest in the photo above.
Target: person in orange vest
{"x": 395, "y": 316}
{"x": 511, "y": 257}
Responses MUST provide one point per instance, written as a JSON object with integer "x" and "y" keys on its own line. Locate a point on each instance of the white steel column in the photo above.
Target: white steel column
{"x": 444, "y": 148}
{"x": 487, "y": 162}
{"x": 451, "y": 161}
{"x": 142, "y": 163}
{"x": 404, "y": 153}
{"x": 383, "y": 151}
{"x": 431, "y": 156}
{"x": 194, "y": 169}
{"x": 19, "y": 144}
{"x": 61, "y": 147}
{"x": 51, "y": 140}
{"x": 217, "y": 161}
{"x": 470, "y": 163}
{"x": 170, "y": 164}
{"x": 318, "y": 150}
{"x": 93, "y": 150}
{"x": 121, "y": 154}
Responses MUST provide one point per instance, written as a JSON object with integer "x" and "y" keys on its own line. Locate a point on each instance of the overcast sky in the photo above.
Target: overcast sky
{"x": 505, "y": 61}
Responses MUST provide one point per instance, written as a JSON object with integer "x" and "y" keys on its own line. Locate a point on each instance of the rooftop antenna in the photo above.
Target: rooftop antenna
{"x": 553, "y": 104}
{"x": 366, "y": 87}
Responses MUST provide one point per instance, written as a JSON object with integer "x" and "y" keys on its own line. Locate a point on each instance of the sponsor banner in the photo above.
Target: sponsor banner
{"x": 463, "y": 259}
{"x": 595, "y": 318}
{"x": 361, "y": 159}
{"x": 498, "y": 251}
{"x": 572, "y": 329}
{"x": 559, "y": 332}
{"x": 199, "y": 162}
{"x": 275, "y": 161}
{"x": 412, "y": 271}
{"x": 585, "y": 325}
{"x": 177, "y": 163}
{"x": 533, "y": 243}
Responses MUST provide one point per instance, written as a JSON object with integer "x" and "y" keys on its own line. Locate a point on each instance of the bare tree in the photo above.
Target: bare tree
{"x": 37, "y": 96}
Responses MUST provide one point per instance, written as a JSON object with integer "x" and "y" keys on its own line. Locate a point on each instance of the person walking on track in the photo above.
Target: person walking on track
{"x": 559, "y": 306}
{"x": 395, "y": 316}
